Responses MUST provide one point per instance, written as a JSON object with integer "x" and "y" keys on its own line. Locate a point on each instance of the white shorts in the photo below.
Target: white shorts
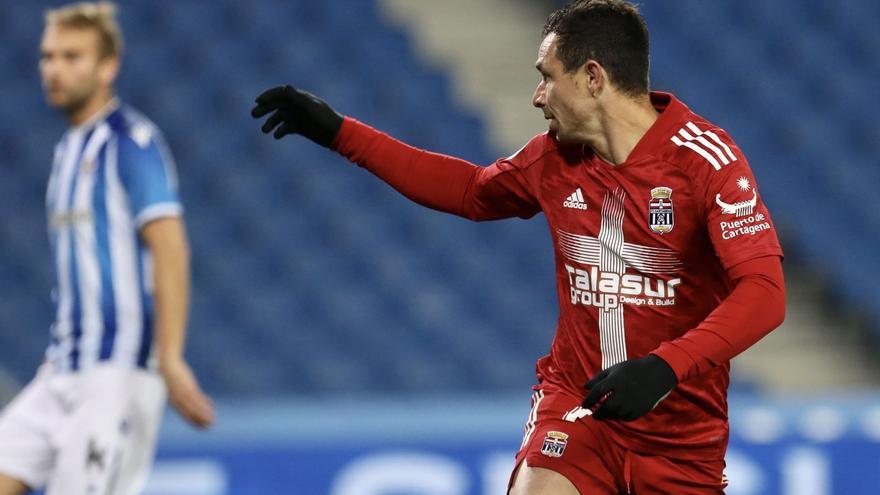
{"x": 91, "y": 432}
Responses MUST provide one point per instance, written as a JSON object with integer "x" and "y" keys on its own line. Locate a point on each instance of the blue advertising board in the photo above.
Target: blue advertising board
{"x": 466, "y": 447}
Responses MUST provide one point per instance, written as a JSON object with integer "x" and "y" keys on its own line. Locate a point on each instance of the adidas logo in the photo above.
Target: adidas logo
{"x": 576, "y": 201}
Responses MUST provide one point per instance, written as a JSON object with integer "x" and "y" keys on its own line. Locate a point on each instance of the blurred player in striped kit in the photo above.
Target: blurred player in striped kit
{"x": 88, "y": 421}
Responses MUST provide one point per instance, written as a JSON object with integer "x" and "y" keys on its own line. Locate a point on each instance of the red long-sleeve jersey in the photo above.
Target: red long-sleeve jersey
{"x": 672, "y": 252}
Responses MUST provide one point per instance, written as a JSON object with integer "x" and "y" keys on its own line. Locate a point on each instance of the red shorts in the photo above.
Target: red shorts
{"x": 583, "y": 450}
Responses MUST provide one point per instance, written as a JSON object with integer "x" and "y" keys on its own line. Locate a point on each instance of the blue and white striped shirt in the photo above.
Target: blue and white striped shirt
{"x": 110, "y": 176}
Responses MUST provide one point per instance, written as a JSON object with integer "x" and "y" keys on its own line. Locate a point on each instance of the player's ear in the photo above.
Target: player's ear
{"x": 596, "y": 77}
{"x": 108, "y": 70}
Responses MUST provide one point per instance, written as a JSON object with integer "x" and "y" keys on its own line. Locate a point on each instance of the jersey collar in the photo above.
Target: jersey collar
{"x": 671, "y": 110}
{"x": 99, "y": 116}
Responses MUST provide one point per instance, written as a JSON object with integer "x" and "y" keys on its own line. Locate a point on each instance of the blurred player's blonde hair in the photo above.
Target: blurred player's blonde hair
{"x": 100, "y": 16}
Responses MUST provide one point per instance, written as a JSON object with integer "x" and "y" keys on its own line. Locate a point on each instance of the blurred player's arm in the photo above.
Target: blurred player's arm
{"x": 167, "y": 242}
{"x": 754, "y": 308}
{"x": 433, "y": 180}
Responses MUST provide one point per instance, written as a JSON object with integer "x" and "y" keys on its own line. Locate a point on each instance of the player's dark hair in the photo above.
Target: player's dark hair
{"x": 611, "y": 32}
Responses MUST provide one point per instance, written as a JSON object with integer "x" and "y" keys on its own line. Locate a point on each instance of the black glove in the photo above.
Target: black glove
{"x": 632, "y": 387}
{"x": 298, "y": 112}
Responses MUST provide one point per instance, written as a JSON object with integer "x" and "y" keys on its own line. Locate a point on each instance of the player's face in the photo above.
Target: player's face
{"x": 562, "y": 96}
{"x": 71, "y": 67}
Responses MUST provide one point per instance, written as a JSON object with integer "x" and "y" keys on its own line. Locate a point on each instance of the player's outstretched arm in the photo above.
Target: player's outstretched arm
{"x": 295, "y": 111}
{"x": 440, "y": 182}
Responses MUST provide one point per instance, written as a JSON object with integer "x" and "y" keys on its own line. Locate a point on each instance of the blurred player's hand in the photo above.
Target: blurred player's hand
{"x": 185, "y": 394}
{"x": 297, "y": 112}
{"x": 633, "y": 388}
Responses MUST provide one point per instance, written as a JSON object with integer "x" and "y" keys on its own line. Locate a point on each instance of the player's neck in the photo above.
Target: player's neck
{"x": 622, "y": 125}
{"x": 90, "y": 109}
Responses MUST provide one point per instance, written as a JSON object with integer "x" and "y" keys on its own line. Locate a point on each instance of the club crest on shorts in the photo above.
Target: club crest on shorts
{"x": 554, "y": 444}
{"x": 660, "y": 215}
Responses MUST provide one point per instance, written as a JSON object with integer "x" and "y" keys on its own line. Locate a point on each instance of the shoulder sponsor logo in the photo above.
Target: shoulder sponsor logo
{"x": 575, "y": 200}
{"x": 741, "y": 208}
{"x": 554, "y": 444}
{"x": 660, "y": 214}
{"x": 750, "y": 225}
{"x": 747, "y": 221}
{"x": 706, "y": 144}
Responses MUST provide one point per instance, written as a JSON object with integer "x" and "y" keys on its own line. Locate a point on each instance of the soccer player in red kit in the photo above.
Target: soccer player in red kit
{"x": 667, "y": 261}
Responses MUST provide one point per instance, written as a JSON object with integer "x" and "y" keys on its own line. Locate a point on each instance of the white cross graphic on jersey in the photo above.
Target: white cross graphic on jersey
{"x": 613, "y": 255}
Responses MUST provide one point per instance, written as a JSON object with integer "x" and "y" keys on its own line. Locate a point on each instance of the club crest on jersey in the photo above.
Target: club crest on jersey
{"x": 661, "y": 218}
{"x": 554, "y": 444}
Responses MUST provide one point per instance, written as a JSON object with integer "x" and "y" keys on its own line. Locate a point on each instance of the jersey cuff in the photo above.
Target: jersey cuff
{"x": 677, "y": 358}
{"x": 340, "y": 142}
{"x": 157, "y": 211}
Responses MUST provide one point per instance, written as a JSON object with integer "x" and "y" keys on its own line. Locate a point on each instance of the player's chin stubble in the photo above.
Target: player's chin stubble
{"x": 66, "y": 101}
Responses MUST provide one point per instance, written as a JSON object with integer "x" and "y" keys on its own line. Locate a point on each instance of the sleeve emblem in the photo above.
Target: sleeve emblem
{"x": 740, "y": 208}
